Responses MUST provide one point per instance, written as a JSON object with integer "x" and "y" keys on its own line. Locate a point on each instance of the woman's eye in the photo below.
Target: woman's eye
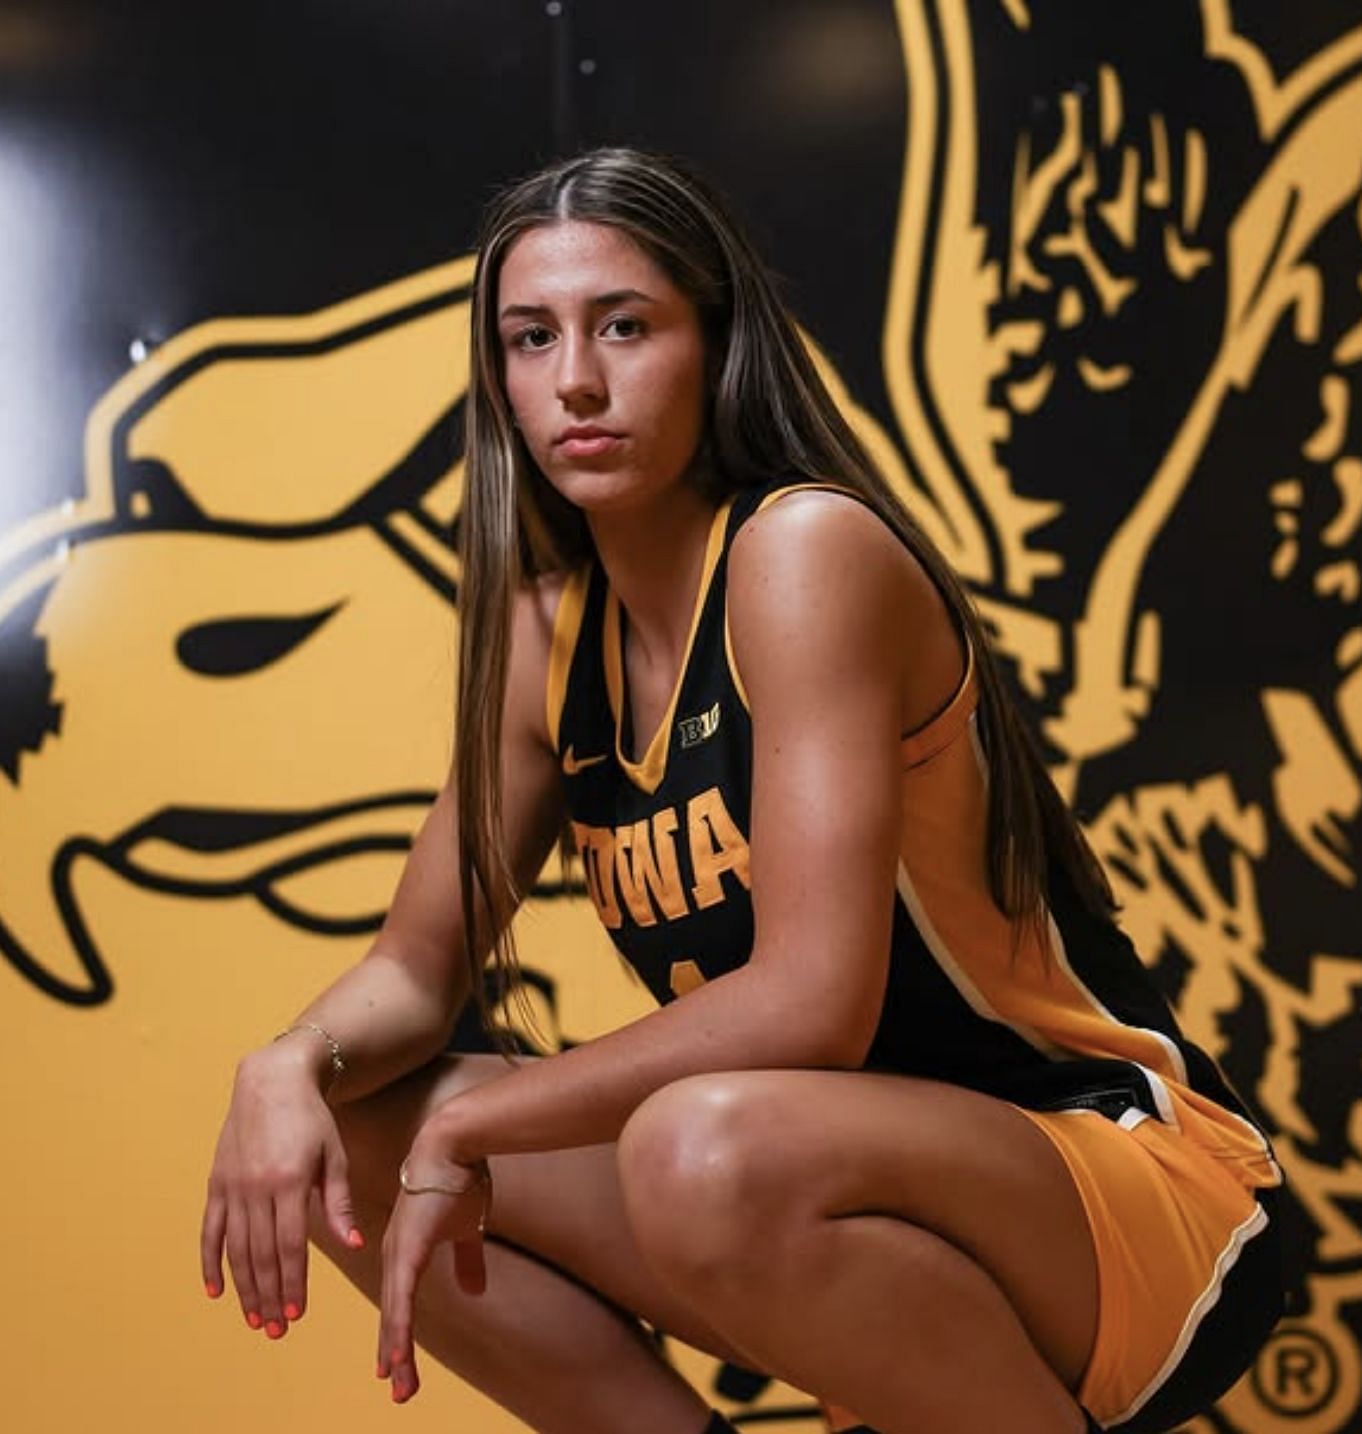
{"x": 534, "y": 337}
{"x": 623, "y": 326}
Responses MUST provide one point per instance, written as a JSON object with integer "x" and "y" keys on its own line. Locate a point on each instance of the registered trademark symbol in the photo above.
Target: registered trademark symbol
{"x": 1297, "y": 1372}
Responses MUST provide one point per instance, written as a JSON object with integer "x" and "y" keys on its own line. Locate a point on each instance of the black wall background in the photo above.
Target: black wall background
{"x": 184, "y": 162}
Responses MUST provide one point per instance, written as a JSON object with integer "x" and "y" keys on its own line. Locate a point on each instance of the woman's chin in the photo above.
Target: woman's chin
{"x": 607, "y": 490}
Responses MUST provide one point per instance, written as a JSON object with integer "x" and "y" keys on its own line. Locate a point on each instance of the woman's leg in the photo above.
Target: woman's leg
{"x": 911, "y": 1250}
{"x": 553, "y": 1339}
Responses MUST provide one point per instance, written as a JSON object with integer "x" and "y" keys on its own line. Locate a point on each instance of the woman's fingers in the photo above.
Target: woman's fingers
{"x": 470, "y": 1263}
{"x": 421, "y": 1220}
{"x": 265, "y": 1263}
{"x": 402, "y": 1371}
{"x": 238, "y": 1243}
{"x": 394, "y": 1338}
{"x": 278, "y": 1142}
{"x": 210, "y": 1243}
{"x": 290, "y": 1220}
{"x": 339, "y": 1207}
{"x": 266, "y": 1246}
{"x": 470, "y": 1267}
{"x": 396, "y": 1355}
{"x": 416, "y": 1227}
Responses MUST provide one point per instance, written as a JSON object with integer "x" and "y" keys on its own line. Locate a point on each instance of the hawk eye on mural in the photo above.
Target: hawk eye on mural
{"x": 1121, "y": 351}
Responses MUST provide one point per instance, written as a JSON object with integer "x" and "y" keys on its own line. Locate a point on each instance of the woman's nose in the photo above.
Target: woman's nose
{"x": 579, "y": 370}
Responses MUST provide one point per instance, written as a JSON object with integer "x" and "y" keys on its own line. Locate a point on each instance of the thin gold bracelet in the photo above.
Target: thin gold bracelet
{"x": 332, "y": 1044}
{"x": 403, "y": 1179}
{"x": 483, "y": 1182}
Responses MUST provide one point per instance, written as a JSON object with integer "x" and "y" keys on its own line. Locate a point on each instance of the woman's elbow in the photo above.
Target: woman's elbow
{"x": 837, "y": 1034}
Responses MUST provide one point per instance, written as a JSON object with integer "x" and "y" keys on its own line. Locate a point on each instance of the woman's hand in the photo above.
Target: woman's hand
{"x": 440, "y": 1200}
{"x": 279, "y": 1141}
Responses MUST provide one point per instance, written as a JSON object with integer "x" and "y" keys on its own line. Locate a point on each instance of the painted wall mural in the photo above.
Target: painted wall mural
{"x": 1101, "y": 324}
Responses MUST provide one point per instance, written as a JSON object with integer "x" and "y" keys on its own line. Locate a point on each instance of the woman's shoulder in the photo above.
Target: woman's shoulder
{"x": 829, "y": 539}
{"x": 821, "y": 569}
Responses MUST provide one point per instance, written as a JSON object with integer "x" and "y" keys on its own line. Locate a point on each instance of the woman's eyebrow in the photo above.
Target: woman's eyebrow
{"x": 601, "y": 301}
{"x": 621, "y": 296}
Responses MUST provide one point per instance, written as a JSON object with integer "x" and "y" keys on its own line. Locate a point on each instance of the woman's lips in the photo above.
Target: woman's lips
{"x": 588, "y": 445}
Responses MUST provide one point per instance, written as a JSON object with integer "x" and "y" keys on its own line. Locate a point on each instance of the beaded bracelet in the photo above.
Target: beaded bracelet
{"x": 333, "y": 1045}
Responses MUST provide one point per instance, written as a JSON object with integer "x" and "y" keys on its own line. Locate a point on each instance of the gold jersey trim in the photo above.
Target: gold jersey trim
{"x": 937, "y": 733}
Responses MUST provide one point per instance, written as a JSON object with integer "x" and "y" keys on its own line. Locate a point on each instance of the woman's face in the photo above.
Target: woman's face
{"x": 604, "y": 362}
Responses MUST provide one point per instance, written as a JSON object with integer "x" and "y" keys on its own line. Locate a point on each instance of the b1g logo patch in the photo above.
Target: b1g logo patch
{"x": 694, "y": 730}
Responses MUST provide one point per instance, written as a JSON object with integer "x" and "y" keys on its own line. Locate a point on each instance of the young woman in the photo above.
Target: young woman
{"x": 911, "y": 1129}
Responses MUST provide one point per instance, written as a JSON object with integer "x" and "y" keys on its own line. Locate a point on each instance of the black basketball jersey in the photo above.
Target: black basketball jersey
{"x": 663, "y": 843}
{"x": 663, "y": 840}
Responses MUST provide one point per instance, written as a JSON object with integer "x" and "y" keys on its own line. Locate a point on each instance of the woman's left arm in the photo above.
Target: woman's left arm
{"x": 827, "y": 613}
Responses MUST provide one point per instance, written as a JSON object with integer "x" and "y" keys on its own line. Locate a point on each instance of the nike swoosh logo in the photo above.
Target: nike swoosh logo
{"x": 573, "y": 764}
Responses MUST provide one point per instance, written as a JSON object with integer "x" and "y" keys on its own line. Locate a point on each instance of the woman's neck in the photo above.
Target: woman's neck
{"x": 653, "y": 556}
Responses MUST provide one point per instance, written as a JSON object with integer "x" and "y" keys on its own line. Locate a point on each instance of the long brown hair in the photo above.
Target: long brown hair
{"x": 769, "y": 417}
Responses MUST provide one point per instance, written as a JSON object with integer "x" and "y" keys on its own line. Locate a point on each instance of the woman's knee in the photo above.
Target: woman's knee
{"x": 699, "y": 1167}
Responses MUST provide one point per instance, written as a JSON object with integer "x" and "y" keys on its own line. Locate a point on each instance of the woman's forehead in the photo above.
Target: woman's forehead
{"x": 574, "y": 261}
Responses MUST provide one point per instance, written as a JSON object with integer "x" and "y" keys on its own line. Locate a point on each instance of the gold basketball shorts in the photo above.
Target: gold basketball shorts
{"x": 1189, "y": 1267}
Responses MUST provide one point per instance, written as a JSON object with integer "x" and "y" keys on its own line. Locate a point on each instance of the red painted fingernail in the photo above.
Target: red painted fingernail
{"x": 274, "y": 1329}
{"x": 253, "y": 1319}
{"x": 291, "y": 1311}
{"x": 355, "y": 1240}
{"x": 212, "y": 1289}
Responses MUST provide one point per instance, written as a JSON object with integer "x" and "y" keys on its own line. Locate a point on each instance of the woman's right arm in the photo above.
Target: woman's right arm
{"x": 388, "y": 1014}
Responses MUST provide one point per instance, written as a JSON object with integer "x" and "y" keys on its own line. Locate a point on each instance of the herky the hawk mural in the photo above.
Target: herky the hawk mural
{"x": 1120, "y": 357}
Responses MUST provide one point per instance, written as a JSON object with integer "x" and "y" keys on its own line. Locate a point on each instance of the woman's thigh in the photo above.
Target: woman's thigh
{"x": 564, "y": 1206}
{"x": 786, "y": 1146}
